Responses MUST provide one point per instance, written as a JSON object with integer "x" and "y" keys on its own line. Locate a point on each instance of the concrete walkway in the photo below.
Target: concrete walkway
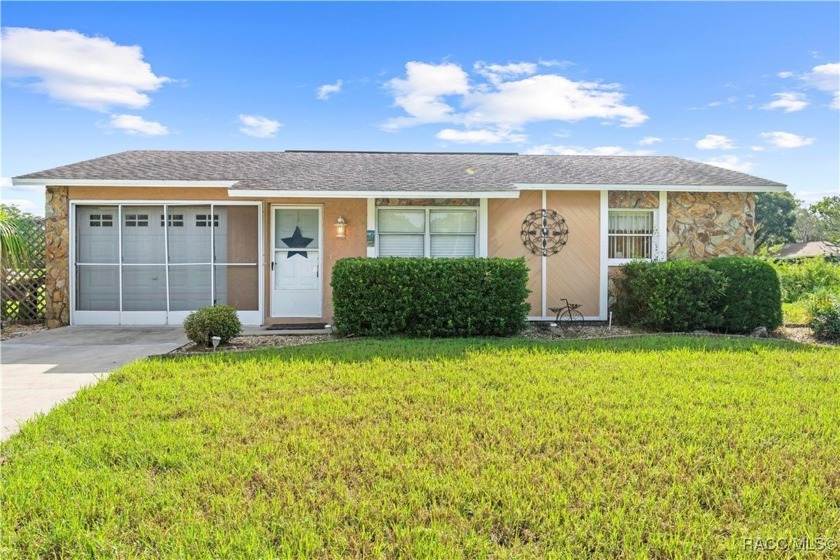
{"x": 40, "y": 370}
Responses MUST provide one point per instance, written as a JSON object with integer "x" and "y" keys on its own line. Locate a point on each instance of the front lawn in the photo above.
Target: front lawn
{"x": 656, "y": 447}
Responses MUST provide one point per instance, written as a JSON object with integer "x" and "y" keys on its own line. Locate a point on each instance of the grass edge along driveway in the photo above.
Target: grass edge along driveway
{"x": 642, "y": 447}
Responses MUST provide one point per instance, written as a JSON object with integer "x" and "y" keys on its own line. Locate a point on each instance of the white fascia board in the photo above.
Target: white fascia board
{"x": 669, "y": 188}
{"x": 121, "y": 183}
{"x": 265, "y": 193}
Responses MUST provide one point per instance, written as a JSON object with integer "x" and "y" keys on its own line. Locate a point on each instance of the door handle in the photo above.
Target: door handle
{"x": 272, "y": 265}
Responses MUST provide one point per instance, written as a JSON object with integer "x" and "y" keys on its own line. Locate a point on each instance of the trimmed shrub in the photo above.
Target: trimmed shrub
{"x": 669, "y": 296}
{"x": 430, "y": 297}
{"x": 752, "y": 297}
{"x": 217, "y": 320}
{"x": 825, "y": 316}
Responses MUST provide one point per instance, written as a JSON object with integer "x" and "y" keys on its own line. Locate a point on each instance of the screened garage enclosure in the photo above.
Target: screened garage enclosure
{"x": 154, "y": 264}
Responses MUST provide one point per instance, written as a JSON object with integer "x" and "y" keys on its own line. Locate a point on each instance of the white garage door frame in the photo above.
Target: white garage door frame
{"x": 120, "y": 317}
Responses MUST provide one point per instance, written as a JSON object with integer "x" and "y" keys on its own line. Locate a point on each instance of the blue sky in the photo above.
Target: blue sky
{"x": 749, "y": 86}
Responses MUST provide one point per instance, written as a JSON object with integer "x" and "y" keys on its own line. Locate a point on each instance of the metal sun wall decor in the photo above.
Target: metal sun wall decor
{"x": 544, "y": 232}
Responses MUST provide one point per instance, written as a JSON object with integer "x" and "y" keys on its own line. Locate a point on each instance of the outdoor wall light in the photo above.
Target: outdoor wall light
{"x": 340, "y": 227}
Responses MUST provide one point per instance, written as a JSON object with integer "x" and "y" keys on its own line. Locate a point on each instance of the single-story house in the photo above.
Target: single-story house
{"x": 808, "y": 250}
{"x": 145, "y": 237}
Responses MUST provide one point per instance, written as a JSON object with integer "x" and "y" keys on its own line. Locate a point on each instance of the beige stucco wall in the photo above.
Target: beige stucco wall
{"x": 504, "y": 218}
{"x": 574, "y": 273}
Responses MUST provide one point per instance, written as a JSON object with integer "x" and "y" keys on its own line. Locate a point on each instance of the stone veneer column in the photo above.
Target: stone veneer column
{"x": 57, "y": 232}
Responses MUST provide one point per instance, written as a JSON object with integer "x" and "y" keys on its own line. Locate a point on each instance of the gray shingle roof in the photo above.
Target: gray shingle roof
{"x": 397, "y": 171}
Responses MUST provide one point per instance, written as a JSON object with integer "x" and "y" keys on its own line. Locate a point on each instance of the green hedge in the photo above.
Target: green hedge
{"x": 430, "y": 297}
{"x": 729, "y": 294}
{"x": 752, "y": 296}
{"x": 669, "y": 296}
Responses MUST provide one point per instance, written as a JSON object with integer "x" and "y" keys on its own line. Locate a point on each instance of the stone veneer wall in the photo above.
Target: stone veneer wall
{"x": 700, "y": 225}
{"x": 634, "y": 199}
{"x": 57, "y": 232}
{"x": 427, "y": 202}
{"x": 706, "y": 225}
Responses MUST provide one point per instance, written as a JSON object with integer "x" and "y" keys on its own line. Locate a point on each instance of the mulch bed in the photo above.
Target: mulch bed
{"x": 240, "y": 343}
{"x": 800, "y": 333}
{"x": 540, "y": 331}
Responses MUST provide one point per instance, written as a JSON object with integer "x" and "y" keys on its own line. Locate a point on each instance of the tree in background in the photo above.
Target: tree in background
{"x": 15, "y": 252}
{"x": 827, "y": 212}
{"x": 808, "y": 226}
{"x": 775, "y": 218}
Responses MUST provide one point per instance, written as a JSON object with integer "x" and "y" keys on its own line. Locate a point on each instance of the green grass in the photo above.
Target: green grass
{"x": 657, "y": 447}
{"x": 797, "y": 312}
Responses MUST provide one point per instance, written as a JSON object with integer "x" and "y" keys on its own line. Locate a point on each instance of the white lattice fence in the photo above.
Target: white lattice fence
{"x": 23, "y": 298}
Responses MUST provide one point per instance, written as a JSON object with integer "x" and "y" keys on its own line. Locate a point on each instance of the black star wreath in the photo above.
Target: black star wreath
{"x": 297, "y": 241}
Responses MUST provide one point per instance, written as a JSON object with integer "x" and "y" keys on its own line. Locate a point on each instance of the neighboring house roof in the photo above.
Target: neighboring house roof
{"x": 810, "y": 249}
{"x": 314, "y": 171}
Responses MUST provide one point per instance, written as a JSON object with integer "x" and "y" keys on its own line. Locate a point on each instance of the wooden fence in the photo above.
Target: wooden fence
{"x": 23, "y": 298}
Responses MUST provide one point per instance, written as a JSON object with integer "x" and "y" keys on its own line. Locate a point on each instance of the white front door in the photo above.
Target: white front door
{"x": 296, "y": 261}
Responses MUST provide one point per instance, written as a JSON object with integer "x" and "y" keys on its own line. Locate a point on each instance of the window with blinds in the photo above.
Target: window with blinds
{"x": 630, "y": 234}
{"x": 427, "y": 232}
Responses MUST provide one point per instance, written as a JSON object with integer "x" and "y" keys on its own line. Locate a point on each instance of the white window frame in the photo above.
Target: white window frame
{"x": 654, "y": 235}
{"x": 427, "y": 233}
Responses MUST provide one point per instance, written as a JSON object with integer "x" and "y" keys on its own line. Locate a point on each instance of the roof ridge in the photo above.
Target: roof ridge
{"x": 401, "y": 152}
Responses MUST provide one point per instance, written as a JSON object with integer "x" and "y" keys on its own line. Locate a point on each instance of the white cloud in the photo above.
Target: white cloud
{"x": 728, "y": 101}
{"x": 485, "y": 136}
{"x": 786, "y": 139}
{"x": 734, "y": 163}
{"x": 784, "y": 75}
{"x": 505, "y": 96}
{"x": 758, "y": 148}
{"x": 498, "y": 72}
{"x": 327, "y": 90}
{"x": 789, "y": 102}
{"x": 649, "y": 140}
{"x": 422, "y": 91}
{"x": 712, "y": 104}
{"x": 548, "y": 149}
{"x": 90, "y": 72}
{"x": 135, "y": 124}
{"x": 826, "y": 77}
{"x": 549, "y": 97}
{"x": 715, "y": 142}
{"x": 554, "y": 63}
{"x": 258, "y": 127}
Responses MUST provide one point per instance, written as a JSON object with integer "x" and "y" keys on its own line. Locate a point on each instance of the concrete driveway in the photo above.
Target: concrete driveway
{"x": 40, "y": 370}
